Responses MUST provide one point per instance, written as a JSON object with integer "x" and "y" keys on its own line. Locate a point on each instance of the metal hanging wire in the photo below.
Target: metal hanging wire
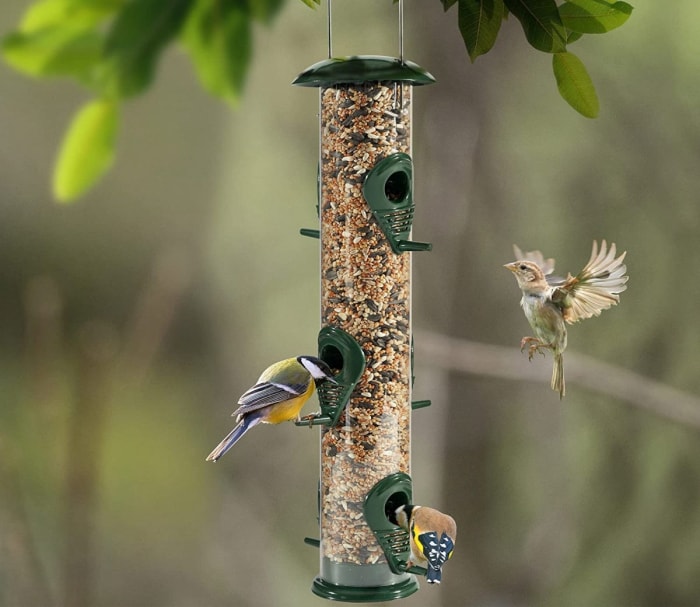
{"x": 401, "y": 31}
{"x": 330, "y": 29}
{"x": 329, "y": 13}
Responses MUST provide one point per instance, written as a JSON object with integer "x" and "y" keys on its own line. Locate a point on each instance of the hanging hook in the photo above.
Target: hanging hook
{"x": 401, "y": 31}
{"x": 330, "y": 29}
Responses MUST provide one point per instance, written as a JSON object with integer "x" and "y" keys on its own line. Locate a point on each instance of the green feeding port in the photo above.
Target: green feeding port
{"x": 388, "y": 190}
{"x": 372, "y": 585}
{"x": 381, "y": 501}
{"x": 340, "y": 352}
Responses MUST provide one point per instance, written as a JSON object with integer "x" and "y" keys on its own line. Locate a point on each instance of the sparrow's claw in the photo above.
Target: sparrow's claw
{"x": 535, "y": 348}
{"x": 533, "y": 345}
{"x": 526, "y": 340}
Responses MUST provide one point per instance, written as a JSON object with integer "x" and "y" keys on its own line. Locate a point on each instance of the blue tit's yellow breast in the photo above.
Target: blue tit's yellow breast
{"x": 289, "y": 409}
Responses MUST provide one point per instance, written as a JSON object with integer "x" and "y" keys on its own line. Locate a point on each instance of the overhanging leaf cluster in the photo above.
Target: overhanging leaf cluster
{"x": 113, "y": 47}
{"x": 548, "y": 27}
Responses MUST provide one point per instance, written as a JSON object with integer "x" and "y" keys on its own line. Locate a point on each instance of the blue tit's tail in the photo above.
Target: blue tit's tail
{"x": 436, "y": 551}
{"x": 233, "y": 437}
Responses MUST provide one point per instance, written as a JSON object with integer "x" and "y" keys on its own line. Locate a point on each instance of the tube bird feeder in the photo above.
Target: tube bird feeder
{"x": 366, "y": 212}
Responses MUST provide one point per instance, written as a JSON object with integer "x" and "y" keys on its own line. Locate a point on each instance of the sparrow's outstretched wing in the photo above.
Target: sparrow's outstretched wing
{"x": 595, "y": 288}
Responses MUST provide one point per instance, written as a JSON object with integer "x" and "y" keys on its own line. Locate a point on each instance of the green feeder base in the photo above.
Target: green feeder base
{"x": 370, "y": 583}
{"x": 350, "y": 594}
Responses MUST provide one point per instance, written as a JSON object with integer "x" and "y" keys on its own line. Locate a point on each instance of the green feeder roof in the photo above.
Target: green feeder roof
{"x": 363, "y": 68}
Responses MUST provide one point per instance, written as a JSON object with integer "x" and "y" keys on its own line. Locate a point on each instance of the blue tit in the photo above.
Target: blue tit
{"x": 278, "y": 396}
{"x": 433, "y": 535}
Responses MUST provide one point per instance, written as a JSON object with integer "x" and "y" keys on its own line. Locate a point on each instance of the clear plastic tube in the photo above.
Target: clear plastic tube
{"x": 365, "y": 290}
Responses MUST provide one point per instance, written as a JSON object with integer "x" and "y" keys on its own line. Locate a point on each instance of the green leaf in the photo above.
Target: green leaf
{"x": 54, "y": 51}
{"x": 572, "y": 37}
{"x": 69, "y": 13}
{"x": 311, "y": 3}
{"x": 479, "y": 23}
{"x": 541, "y": 23}
{"x": 575, "y": 85}
{"x": 218, "y": 38}
{"x": 447, "y": 4}
{"x": 594, "y": 16}
{"x": 140, "y": 32}
{"x": 87, "y": 150}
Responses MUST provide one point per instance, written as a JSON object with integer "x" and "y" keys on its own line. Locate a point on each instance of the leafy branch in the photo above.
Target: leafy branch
{"x": 112, "y": 47}
{"x": 549, "y": 28}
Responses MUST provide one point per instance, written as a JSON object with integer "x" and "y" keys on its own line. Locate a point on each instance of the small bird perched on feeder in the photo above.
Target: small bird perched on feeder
{"x": 278, "y": 396}
{"x": 551, "y": 302}
{"x": 433, "y": 535}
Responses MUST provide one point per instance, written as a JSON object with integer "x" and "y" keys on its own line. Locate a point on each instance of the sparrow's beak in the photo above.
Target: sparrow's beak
{"x": 512, "y": 266}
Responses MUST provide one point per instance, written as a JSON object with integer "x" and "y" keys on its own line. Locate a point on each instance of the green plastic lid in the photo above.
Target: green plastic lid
{"x": 363, "y": 68}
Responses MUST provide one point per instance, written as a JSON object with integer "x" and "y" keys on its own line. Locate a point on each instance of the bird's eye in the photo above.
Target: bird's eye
{"x": 522, "y": 267}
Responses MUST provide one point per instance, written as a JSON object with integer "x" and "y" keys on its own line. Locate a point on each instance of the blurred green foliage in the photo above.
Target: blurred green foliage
{"x": 113, "y": 48}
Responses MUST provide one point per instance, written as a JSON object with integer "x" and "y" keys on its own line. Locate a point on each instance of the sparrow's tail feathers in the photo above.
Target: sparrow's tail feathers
{"x": 233, "y": 437}
{"x": 558, "y": 375}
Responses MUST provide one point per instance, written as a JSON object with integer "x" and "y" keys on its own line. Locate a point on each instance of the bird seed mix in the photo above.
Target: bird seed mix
{"x": 365, "y": 290}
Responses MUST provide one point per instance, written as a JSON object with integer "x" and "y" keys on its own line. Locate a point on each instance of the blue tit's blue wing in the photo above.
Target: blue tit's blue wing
{"x": 436, "y": 551}
{"x": 233, "y": 437}
{"x": 268, "y": 393}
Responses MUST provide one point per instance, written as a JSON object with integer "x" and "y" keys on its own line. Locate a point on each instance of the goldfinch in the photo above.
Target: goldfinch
{"x": 433, "y": 535}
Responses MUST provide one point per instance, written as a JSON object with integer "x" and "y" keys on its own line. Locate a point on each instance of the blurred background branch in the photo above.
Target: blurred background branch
{"x": 97, "y": 347}
{"x": 464, "y": 356}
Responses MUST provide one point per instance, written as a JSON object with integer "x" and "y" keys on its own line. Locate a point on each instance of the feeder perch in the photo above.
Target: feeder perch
{"x": 416, "y": 404}
{"x": 388, "y": 189}
{"x": 339, "y": 351}
{"x": 310, "y": 232}
{"x": 313, "y": 232}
